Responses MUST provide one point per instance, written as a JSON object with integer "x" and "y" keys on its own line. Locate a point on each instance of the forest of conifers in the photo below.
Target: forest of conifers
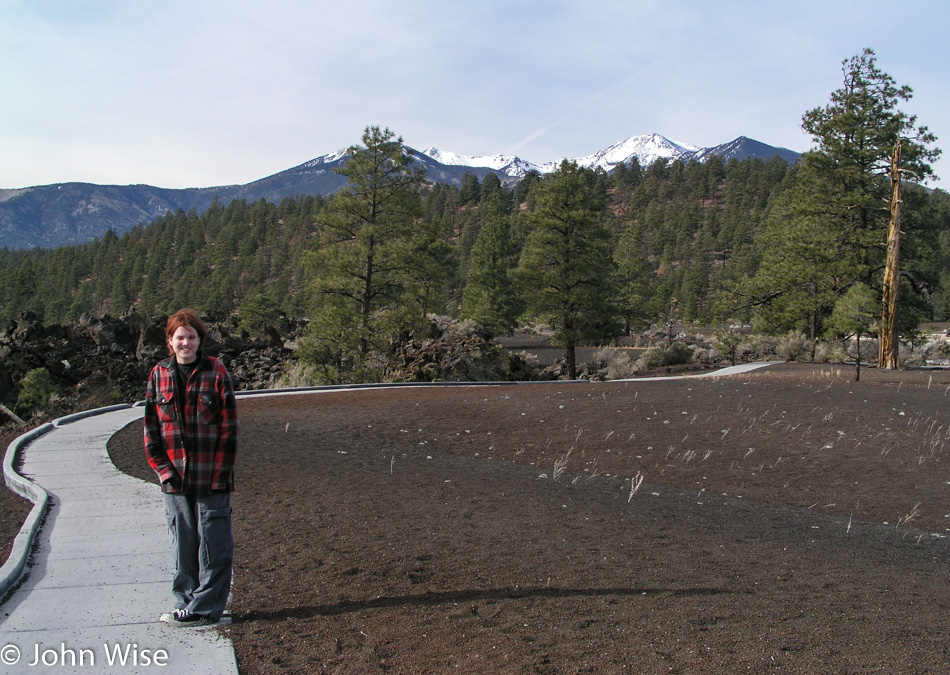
{"x": 846, "y": 241}
{"x": 692, "y": 232}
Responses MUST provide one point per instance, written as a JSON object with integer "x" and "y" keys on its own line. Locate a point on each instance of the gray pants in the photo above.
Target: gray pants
{"x": 203, "y": 550}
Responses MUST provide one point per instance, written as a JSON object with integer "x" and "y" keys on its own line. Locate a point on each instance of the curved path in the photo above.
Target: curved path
{"x": 101, "y": 570}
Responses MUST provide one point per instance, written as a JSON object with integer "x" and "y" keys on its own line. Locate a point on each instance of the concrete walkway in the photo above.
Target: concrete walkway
{"x": 737, "y": 369}
{"x": 101, "y": 569}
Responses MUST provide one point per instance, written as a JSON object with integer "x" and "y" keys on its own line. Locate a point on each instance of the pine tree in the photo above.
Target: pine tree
{"x": 804, "y": 269}
{"x": 865, "y": 145}
{"x": 470, "y": 191}
{"x": 634, "y": 276}
{"x": 853, "y": 315}
{"x": 695, "y": 292}
{"x": 359, "y": 269}
{"x": 426, "y": 270}
{"x": 831, "y": 231}
{"x": 566, "y": 269}
{"x": 489, "y": 296}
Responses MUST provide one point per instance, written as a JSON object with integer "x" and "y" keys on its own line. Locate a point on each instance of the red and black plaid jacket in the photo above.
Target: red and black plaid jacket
{"x": 194, "y": 456}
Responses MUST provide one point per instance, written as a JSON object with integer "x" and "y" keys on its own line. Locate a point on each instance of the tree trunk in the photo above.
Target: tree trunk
{"x": 12, "y": 415}
{"x": 366, "y": 297}
{"x": 571, "y": 354}
{"x": 888, "y": 357}
{"x": 813, "y": 336}
{"x": 857, "y": 345}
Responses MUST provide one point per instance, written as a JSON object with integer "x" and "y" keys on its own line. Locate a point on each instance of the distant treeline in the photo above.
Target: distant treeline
{"x": 683, "y": 236}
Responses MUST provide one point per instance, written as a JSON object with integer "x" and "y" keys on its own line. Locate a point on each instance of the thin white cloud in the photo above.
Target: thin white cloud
{"x": 206, "y": 92}
{"x": 584, "y": 107}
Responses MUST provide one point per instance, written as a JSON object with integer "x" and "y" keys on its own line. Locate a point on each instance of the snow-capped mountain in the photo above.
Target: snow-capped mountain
{"x": 646, "y": 149}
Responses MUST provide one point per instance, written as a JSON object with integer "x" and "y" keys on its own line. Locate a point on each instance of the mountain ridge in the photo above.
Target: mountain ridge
{"x": 646, "y": 148}
{"x": 64, "y": 214}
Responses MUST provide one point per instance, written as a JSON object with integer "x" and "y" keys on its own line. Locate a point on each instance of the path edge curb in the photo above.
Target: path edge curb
{"x": 15, "y": 566}
{"x": 17, "y": 562}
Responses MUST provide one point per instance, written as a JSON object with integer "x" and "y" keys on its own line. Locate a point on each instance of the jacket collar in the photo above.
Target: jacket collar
{"x": 204, "y": 362}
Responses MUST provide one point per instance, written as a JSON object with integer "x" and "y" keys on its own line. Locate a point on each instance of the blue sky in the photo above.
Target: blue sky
{"x": 196, "y": 93}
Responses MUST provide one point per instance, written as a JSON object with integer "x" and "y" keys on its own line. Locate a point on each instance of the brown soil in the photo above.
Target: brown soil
{"x": 13, "y": 508}
{"x": 790, "y": 520}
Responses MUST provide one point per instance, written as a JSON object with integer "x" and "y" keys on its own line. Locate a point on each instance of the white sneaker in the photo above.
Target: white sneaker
{"x": 182, "y": 618}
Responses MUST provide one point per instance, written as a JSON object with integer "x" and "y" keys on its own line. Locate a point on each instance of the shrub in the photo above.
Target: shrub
{"x": 36, "y": 390}
{"x": 939, "y": 348}
{"x": 651, "y": 359}
{"x": 709, "y": 355}
{"x": 622, "y": 367}
{"x": 793, "y": 346}
{"x": 828, "y": 352}
{"x": 612, "y": 363}
{"x": 678, "y": 353}
{"x": 921, "y": 354}
{"x": 728, "y": 342}
{"x": 758, "y": 347}
{"x": 450, "y": 328}
{"x": 599, "y": 363}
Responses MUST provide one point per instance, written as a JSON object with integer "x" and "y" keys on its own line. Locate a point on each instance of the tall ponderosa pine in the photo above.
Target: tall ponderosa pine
{"x": 834, "y": 220}
{"x": 360, "y": 268}
{"x": 566, "y": 268}
{"x": 857, "y": 136}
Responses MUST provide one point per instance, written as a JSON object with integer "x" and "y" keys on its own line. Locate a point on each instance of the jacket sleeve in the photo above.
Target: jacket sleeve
{"x": 225, "y": 453}
{"x": 154, "y": 445}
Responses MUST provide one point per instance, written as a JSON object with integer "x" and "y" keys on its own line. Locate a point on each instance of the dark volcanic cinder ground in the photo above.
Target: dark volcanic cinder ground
{"x": 789, "y": 520}
{"x": 13, "y": 508}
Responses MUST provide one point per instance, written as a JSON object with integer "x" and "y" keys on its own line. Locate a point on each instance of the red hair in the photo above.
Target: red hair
{"x": 185, "y": 317}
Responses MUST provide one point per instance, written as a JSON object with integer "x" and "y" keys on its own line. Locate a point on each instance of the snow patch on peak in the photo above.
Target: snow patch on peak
{"x": 450, "y": 158}
{"x": 647, "y": 149}
{"x": 327, "y": 159}
{"x": 511, "y": 166}
{"x": 339, "y": 154}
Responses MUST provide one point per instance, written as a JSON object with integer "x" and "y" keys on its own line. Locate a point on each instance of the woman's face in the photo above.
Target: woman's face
{"x": 184, "y": 344}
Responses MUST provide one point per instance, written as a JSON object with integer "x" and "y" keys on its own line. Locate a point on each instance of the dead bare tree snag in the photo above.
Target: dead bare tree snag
{"x": 889, "y": 346}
